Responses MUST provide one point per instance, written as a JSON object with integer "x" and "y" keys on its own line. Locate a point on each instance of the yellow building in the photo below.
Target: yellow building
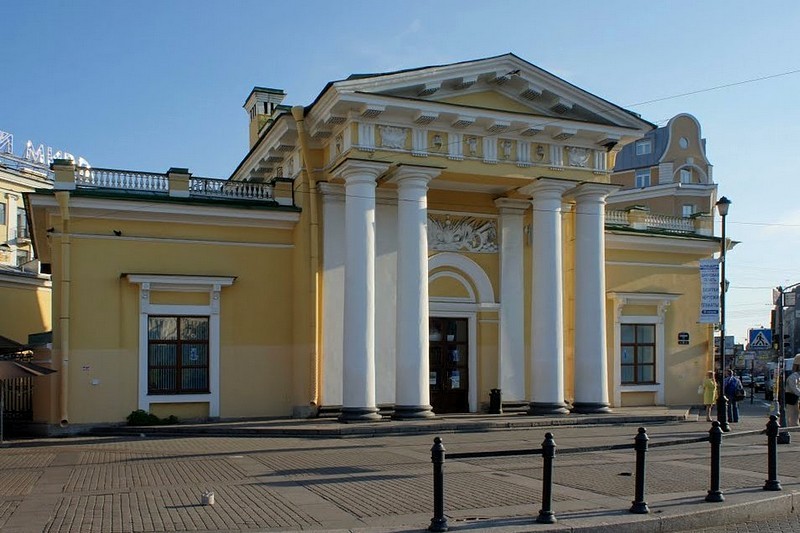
{"x": 24, "y": 291}
{"x": 407, "y": 242}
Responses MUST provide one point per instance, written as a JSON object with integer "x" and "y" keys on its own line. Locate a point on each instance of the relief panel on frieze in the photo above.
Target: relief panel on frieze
{"x": 450, "y": 233}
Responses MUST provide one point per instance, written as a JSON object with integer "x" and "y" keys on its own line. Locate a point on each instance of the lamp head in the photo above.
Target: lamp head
{"x": 722, "y": 206}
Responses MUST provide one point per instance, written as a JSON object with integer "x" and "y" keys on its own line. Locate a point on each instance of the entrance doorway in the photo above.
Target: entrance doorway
{"x": 449, "y": 368}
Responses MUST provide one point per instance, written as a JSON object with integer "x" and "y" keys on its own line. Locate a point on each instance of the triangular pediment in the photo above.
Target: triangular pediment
{"x": 504, "y": 83}
{"x": 488, "y": 100}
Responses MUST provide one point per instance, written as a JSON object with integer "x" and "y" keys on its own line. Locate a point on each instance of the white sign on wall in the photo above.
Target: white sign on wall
{"x": 709, "y": 291}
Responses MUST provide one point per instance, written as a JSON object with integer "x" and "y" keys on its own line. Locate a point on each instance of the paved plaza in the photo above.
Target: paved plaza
{"x": 383, "y": 482}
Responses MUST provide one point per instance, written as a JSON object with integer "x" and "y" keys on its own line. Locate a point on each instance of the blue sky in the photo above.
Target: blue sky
{"x": 152, "y": 84}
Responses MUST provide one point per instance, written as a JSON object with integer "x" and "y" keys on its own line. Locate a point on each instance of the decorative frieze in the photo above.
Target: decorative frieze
{"x": 600, "y": 160}
{"x": 489, "y": 150}
{"x": 578, "y": 157}
{"x": 468, "y": 234}
{"x": 455, "y": 146}
{"x": 556, "y": 155}
{"x": 366, "y": 136}
{"x": 524, "y": 154}
{"x": 419, "y": 142}
{"x": 392, "y": 137}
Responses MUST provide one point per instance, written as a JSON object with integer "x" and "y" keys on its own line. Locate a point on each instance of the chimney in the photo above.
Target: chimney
{"x": 262, "y": 106}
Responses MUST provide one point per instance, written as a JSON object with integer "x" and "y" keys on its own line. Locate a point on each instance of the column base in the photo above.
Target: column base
{"x": 359, "y": 414}
{"x": 412, "y": 412}
{"x": 589, "y": 408}
{"x": 544, "y": 409}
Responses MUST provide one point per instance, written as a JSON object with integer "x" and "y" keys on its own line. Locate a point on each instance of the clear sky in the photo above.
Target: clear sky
{"x": 151, "y": 84}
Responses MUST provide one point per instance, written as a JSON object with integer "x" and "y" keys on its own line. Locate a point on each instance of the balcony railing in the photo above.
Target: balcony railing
{"x": 152, "y": 182}
{"x": 642, "y": 220}
{"x": 129, "y": 180}
{"x": 236, "y": 190}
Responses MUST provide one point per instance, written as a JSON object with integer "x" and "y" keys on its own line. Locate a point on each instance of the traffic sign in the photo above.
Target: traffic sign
{"x": 760, "y": 339}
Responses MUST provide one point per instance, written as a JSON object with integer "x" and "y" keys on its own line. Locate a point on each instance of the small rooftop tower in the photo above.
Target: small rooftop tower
{"x": 261, "y": 106}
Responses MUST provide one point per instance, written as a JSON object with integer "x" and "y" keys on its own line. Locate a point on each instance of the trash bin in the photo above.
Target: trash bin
{"x": 495, "y": 402}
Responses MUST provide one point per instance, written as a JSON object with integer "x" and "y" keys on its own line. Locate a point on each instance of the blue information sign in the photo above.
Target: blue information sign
{"x": 760, "y": 339}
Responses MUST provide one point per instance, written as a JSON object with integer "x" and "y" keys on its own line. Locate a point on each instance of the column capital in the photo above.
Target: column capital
{"x": 356, "y": 170}
{"x": 589, "y": 190}
{"x": 420, "y": 173}
{"x": 549, "y": 187}
{"x": 512, "y": 206}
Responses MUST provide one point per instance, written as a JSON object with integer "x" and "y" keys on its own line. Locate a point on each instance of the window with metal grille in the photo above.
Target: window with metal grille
{"x": 638, "y": 348}
{"x": 177, "y": 354}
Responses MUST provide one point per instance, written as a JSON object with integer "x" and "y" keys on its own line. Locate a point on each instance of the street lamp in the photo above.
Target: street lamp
{"x": 723, "y": 204}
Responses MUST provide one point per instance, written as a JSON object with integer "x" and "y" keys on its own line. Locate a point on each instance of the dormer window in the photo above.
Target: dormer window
{"x": 686, "y": 175}
{"x": 644, "y": 147}
{"x": 643, "y": 178}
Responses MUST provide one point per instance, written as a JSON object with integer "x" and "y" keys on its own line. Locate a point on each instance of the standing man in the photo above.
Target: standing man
{"x": 792, "y": 392}
{"x": 730, "y": 386}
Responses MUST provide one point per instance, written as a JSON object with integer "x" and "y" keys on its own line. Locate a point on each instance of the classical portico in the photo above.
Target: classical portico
{"x": 358, "y": 387}
{"x": 412, "y": 392}
{"x": 591, "y": 367}
{"x": 547, "y": 305}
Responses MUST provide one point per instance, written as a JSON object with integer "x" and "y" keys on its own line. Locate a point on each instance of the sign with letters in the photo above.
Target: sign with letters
{"x": 709, "y": 291}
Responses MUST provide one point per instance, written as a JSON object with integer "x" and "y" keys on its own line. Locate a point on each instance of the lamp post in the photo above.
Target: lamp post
{"x": 722, "y": 415}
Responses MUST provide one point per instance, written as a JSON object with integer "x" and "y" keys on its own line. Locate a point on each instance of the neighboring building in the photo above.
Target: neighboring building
{"x": 666, "y": 172}
{"x": 408, "y": 241}
{"x": 24, "y": 292}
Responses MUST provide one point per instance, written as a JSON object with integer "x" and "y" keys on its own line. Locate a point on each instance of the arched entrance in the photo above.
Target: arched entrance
{"x": 458, "y": 287}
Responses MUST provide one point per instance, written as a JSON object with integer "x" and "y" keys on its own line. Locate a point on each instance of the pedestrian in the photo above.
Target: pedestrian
{"x": 733, "y": 389}
{"x": 709, "y": 393}
{"x": 792, "y": 392}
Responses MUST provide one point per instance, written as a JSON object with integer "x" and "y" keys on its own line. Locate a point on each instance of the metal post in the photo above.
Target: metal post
{"x": 722, "y": 407}
{"x": 438, "y": 522}
{"x": 546, "y": 514}
{"x": 772, "y": 482}
{"x": 715, "y": 438}
{"x": 640, "y": 445}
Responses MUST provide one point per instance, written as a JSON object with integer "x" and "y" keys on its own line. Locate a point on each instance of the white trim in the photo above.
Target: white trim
{"x": 468, "y": 267}
{"x": 25, "y": 282}
{"x": 616, "y": 240}
{"x": 172, "y": 211}
{"x": 661, "y": 301}
{"x": 177, "y": 241}
{"x": 159, "y": 282}
{"x": 463, "y": 311}
{"x": 694, "y": 265}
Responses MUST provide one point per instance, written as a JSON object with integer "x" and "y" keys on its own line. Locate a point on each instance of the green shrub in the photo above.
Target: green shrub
{"x": 141, "y": 417}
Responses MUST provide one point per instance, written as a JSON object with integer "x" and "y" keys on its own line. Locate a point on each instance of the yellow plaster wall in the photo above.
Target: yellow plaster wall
{"x": 685, "y": 364}
{"x": 26, "y": 309}
{"x": 448, "y": 287}
{"x": 184, "y": 411}
{"x": 488, "y": 354}
{"x": 256, "y": 317}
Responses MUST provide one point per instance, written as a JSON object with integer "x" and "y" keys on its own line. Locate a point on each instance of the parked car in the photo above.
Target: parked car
{"x": 747, "y": 380}
{"x": 759, "y": 383}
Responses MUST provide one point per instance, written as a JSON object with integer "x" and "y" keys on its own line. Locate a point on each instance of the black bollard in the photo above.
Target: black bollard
{"x": 715, "y": 438}
{"x": 640, "y": 445}
{"x": 546, "y": 514}
{"x": 438, "y": 522}
{"x": 722, "y": 412}
{"x": 772, "y": 482}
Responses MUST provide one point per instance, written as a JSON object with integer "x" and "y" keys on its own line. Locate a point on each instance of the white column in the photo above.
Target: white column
{"x": 591, "y": 361}
{"x": 512, "y": 296}
{"x": 358, "y": 387}
{"x": 412, "y": 388}
{"x": 547, "y": 306}
{"x": 11, "y": 225}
